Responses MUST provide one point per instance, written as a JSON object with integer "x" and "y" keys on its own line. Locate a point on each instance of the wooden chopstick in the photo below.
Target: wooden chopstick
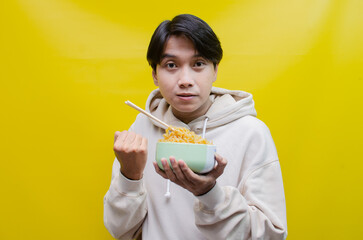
{"x": 147, "y": 114}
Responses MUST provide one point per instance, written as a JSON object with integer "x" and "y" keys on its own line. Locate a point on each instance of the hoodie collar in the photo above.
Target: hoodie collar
{"x": 227, "y": 106}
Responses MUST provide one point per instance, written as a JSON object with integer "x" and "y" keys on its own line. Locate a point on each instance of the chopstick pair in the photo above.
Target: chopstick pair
{"x": 147, "y": 114}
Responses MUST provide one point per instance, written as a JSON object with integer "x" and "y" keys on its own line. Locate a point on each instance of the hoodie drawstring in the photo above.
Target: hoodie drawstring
{"x": 167, "y": 195}
{"x": 204, "y": 126}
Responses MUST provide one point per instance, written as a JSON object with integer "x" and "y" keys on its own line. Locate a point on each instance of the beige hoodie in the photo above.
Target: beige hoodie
{"x": 248, "y": 201}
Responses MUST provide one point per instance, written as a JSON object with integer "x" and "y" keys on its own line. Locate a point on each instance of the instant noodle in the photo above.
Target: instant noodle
{"x": 183, "y": 135}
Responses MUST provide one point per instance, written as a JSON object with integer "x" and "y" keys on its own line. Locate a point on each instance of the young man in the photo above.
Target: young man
{"x": 243, "y": 199}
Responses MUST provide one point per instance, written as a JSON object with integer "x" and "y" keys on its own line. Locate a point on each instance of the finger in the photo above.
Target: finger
{"x": 144, "y": 142}
{"x": 177, "y": 171}
{"x": 190, "y": 176}
{"x": 130, "y": 137}
{"x": 119, "y": 140}
{"x": 220, "y": 160}
{"x": 144, "y": 145}
{"x": 168, "y": 171}
{"x": 119, "y": 135}
{"x": 159, "y": 171}
{"x": 137, "y": 141}
{"x": 221, "y": 164}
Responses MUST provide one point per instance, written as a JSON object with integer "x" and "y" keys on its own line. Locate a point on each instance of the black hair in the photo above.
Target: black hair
{"x": 199, "y": 32}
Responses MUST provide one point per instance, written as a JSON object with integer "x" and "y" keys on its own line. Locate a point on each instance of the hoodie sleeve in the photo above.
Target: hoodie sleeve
{"x": 253, "y": 210}
{"x": 124, "y": 205}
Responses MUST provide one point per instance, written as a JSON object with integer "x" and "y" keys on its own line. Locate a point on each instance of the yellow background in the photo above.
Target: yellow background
{"x": 67, "y": 66}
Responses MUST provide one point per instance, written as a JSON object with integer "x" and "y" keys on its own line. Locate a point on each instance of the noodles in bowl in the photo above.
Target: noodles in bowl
{"x": 195, "y": 151}
{"x": 182, "y": 135}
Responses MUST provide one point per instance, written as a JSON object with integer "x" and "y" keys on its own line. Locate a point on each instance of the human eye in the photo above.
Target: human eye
{"x": 199, "y": 63}
{"x": 170, "y": 65}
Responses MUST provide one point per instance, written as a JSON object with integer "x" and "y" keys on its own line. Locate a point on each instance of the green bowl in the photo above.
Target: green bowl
{"x": 198, "y": 157}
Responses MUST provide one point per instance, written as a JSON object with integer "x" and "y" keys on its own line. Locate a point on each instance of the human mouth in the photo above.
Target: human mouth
{"x": 186, "y": 96}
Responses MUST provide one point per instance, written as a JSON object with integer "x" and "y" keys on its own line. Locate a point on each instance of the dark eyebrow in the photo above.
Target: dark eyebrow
{"x": 166, "y": 55}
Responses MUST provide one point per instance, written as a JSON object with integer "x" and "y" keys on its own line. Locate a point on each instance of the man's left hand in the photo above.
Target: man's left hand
{"x": 182, "y": 175}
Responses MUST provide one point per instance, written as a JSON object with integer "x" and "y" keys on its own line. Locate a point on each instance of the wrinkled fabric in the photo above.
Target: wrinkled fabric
{"x": 246, "y": 203}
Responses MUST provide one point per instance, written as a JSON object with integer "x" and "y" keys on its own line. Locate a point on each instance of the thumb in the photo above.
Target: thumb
{"x": 221, "y": 164}
{"x": 117, "y": 134}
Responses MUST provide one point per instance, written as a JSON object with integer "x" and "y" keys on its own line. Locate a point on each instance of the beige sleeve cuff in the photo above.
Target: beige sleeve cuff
{"x": 212, "y": 199}
{"x": 128, "y": 187}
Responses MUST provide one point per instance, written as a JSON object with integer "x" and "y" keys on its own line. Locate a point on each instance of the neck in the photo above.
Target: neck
{"x": 190, "y": 116}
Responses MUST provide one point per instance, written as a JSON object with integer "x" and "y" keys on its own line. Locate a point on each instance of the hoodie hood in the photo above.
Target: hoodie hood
{"x": 227, "y": 106}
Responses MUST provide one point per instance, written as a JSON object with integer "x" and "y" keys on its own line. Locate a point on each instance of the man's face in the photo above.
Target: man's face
{"x": 185, "y": 78}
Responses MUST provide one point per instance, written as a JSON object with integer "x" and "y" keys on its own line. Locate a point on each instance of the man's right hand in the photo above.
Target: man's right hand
{"x": 131, "y": 151}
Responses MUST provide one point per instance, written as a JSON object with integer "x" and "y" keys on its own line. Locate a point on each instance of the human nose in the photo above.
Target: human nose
{"x": 185, "y": 78}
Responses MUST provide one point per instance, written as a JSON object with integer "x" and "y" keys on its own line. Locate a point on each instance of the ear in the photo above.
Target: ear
{"x": 155, "y": 77}
{"x": 215, "y": 72}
